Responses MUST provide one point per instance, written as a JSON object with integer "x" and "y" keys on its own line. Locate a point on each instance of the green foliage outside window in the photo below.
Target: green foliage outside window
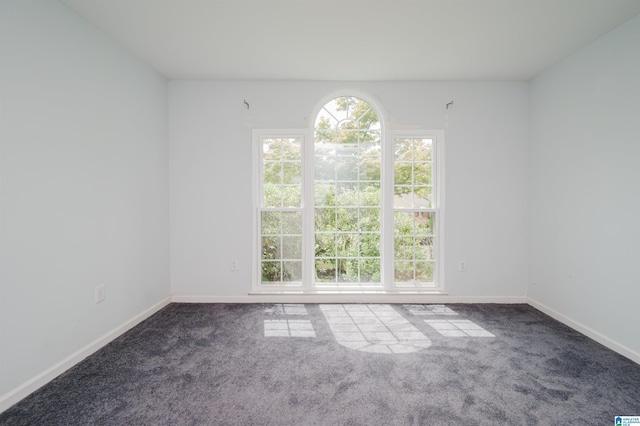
{"x": 347, "y": 153}
{"x": 347, "y": 201}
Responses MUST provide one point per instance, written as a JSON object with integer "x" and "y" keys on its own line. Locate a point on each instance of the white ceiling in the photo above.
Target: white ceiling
{"x": 354, "y": 39}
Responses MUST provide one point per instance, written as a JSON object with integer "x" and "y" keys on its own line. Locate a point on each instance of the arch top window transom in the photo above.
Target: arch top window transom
{"x": 347, "y": 119}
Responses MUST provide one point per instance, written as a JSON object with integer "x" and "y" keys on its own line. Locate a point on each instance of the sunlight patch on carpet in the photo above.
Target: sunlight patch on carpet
{"x": 458, "y": 328}
{"x": 286, "y": 309}
{"x": 288, "y": 328}
{"x": 373, "y": 328}
{"x": 430, "y": 310}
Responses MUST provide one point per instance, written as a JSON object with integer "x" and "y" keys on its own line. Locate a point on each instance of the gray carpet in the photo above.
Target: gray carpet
{"x": 309, "y": 365}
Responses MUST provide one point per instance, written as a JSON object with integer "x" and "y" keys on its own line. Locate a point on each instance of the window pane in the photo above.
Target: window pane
{"x": 291, "y": 271}
{"x": 402, "y": 197}
{"x": 370, "y": 194}
{"x": 424, "y": 271}
{"x": 422, "y": 174}
{"x": 325, "y": 194}
{"x": 325, "y": 219}
{"x": 424, "y": 223}
{"x": 413, "y": 168}
{"x": 347, "y": 219}
{"x": 347, "y": 168}
{"x": 270, "y": 222}
{"x": 404, "y": 248}
{"x": 424, "y": 248}
{"x": 324, "y": 149}
{"x": 402, "y": 173}
{"x": 346, "y": 144}
{"x": 272, "y": 173}
{"x": 291, "y": 173}
{"x": 325, "y": 245}
{"x": 281, "y": 172}
{"x": 422, "y": 150}
{"x": 272, "y": 196}
{"x": 370, "y": 270}
{"x": 291, "y": 247}
{"x": 292, "y": 149}
{"x": 347, "y": 245}
{"x": 326, "y": 270}
{"x": 292, "y": 223}
{"x": 370, "y": 169}
{"x": 271, "y": 247}
{"x": 271, "y": 149}
{"x": 370, "y": 245}
{"x": 403, "y": 223}
{"x": 348, "y": 270}
{"x": 414, "y": 246}
{"x": 403, "y": 271}
{"x": 291, "y": 196}
{"x": 347, "y": 194}
{"x": 369, "y": 220}
{"x": 422, "y": 197}
{"x": 324, "y": 168}
{"x": 271, "y": 271}
{"x": 371, "y": 145}
{"x": 403, "y": 149}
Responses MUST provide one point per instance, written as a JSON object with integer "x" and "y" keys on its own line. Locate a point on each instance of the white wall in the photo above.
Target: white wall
{"x": 585, "y": 201}
{"x": 486, "y": 182}
{"x": 84, "y": 187}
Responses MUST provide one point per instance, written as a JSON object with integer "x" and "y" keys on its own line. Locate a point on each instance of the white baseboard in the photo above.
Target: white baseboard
{"x": 31, "y": 385}
{"x": 587, "y": 331}
{"x": 346, "y": 298}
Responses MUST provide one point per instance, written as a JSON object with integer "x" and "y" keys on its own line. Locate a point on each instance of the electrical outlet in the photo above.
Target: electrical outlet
{"x": 99, "y": 293}
{"x": 233, "y": 265}
{"x": 462, "y": 266}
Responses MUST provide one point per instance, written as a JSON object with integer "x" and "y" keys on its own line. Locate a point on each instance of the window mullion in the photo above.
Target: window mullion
{"x": 386, "y": 177}
{"x": 308, "y": 223}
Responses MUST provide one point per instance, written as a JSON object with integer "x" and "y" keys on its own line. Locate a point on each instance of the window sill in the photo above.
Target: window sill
{"x": 334, "y": 292}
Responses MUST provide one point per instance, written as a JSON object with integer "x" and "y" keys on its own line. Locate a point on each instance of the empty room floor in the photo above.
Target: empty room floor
{"x": 334, "y": 364}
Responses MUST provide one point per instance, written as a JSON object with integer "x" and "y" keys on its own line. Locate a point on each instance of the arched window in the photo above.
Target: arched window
{"x": 342, "y": 206}
{"x": 347, "y": 160}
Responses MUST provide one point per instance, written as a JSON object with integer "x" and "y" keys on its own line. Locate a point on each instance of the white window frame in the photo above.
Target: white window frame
{"x": 256, "y": 137}
{"x": 387, "y": 209}
{"x": 375, "y": 105}
{"x": 438, "y": 175}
